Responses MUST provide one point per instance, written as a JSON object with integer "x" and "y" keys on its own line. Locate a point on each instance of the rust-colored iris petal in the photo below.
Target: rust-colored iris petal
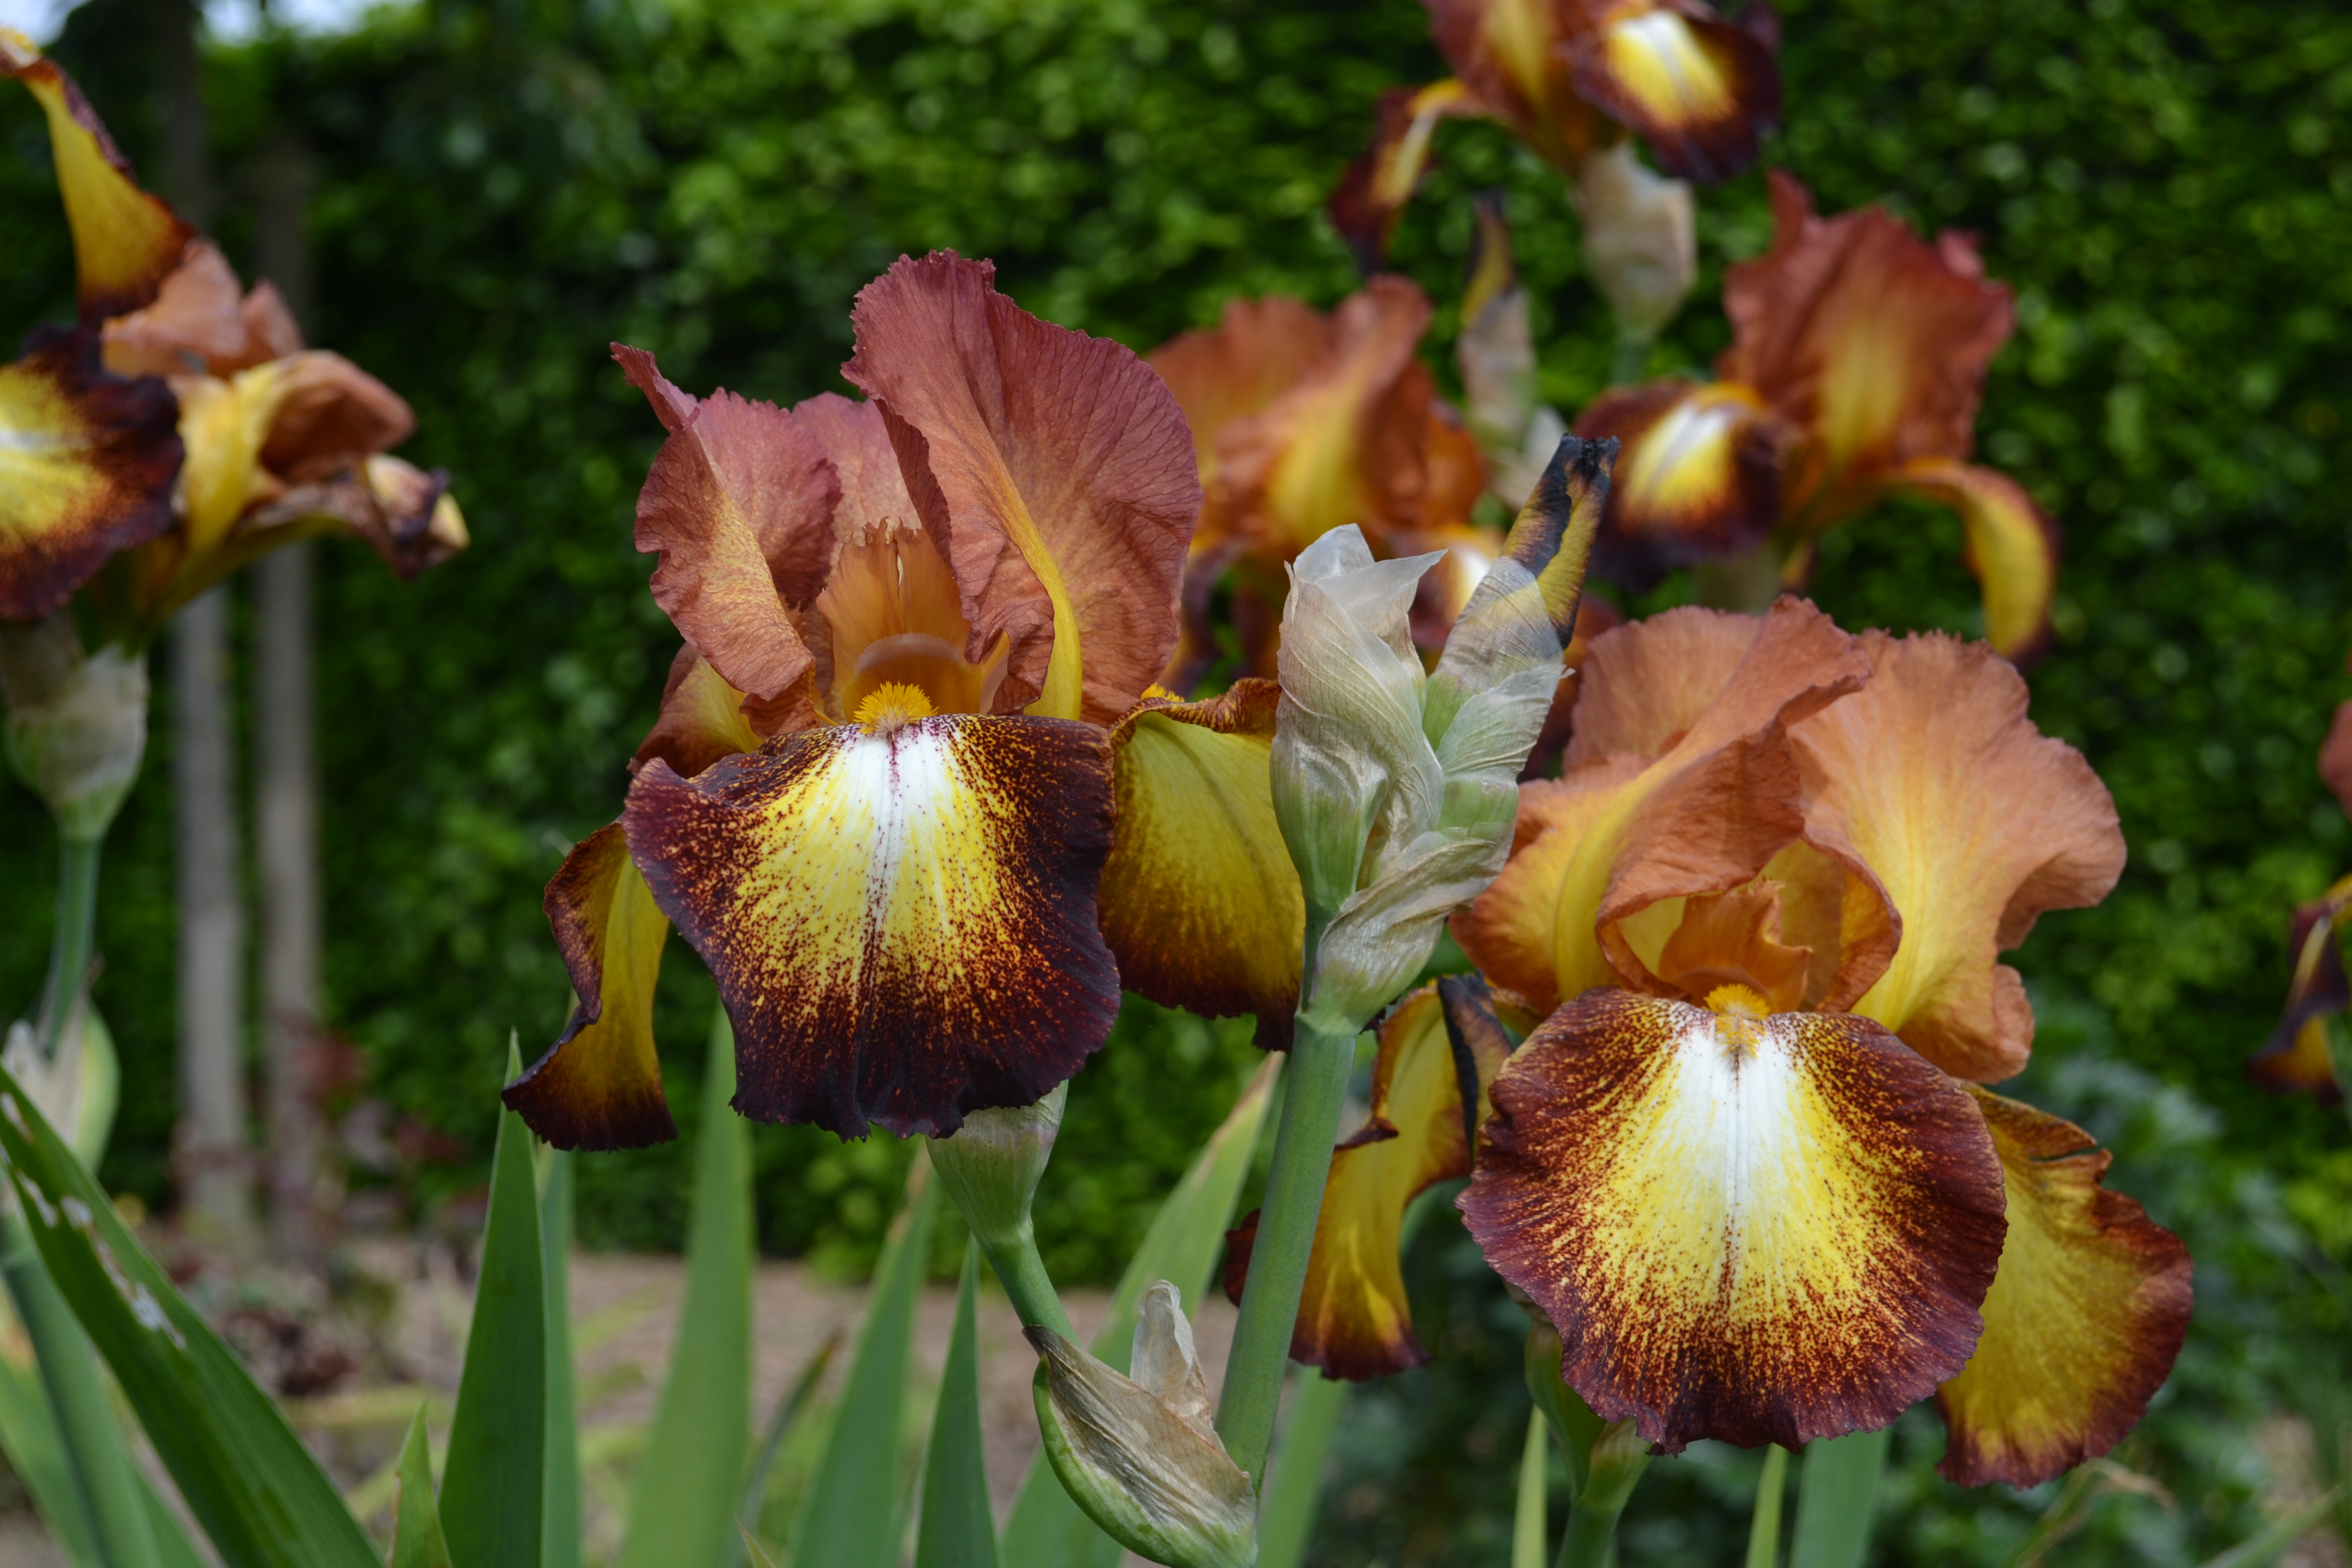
{"x": 86, "y": 463}
{"x": 404, "y": 513}
{"x": 125, "y": 240}
{"x": 1054, "y": 470}
{"x": 739, "y": 505}
{"x": 671, "y": 405}
{"x": 196, "y": 325}
{"x": 1734, "y": 939}
{"x": 1355, "y": 1320}
{"x": 1871, "y": 339}
{"x": 701, "y": 719}
{"x": 1200, "y": 900}
{"x": 874, "y": 496}
{"x": 1751, "y": 1229}
{"x": 1700, "y": 90}
{"x": 1698, "y": 476}
{"x": 2296, "y": 1056}
{"x": 1974, "y": 822}
{"x": 901, "y": 917}
{"x": 1509, "y": 54}
{"x": 1371, "y": 194}
{"x": 2084, "y": 1319}
{"x": 2336, "y": 756}
{"x": 2012, "y": 547}
{"x": 599, "y": 1086}
{"x": 1703, "y": 812}
{"x": 331, "y": 417}
{"x": 1832, "y": 906}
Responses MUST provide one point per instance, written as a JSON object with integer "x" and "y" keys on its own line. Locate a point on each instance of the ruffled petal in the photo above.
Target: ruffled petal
{"x": 1200, "y": 900}
{"x": 1439, "y": 1044}
{"x": 2084, "y": 1320}
{"x": 202, "y": 323}
{"x": 1753, "y": 1229}
{"x": 1509, "y": 54}
{"x": 403, "y": 513}
{"x": 1974, "y": 822}
{"x": 2296, "y": 1056}
{"x": 1698, "y": 476}
{"x": 1872, "y": 339}
{"x": 701, "y": 719}
{"x": 125, "y": 241}
{"x": 901, "y": 915}
{"x": 1054, "y": 470}
{"x": 1626, "y": 829}
{"x": 331, "y": 417}
{"x": 599, "y": 1086}
{"x": 1700, "y": 90}
{"x": 739, "y": 505}
{"x": 2012, "y": 547}
{"x": 1371, "y": 194}
{"x": 87, "y": 466}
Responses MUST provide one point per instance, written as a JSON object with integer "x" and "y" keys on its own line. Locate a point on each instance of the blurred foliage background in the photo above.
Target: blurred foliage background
{"x": 503, "y": 187}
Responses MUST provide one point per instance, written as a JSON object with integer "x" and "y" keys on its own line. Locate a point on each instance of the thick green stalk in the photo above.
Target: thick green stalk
{"x": 93, "y": 1439}
{"x": 1618, "y": 1457}
{"x": 1023, "y": 1274}
{"x": 1319, "y": 1065}
{"x": 70, "y": 943}
{"x": 1764, "y": 1523}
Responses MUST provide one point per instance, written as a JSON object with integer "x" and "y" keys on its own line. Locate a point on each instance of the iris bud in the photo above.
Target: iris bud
{"x": 1140, "y": 1456}
{"x": 76, "y": 723}
{"x": 1638, "y": 238}
{"x": 992, "y": 1165}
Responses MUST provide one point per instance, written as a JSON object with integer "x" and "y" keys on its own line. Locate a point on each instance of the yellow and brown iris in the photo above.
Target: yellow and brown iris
{"x": 1745, "y": 1163}
{"x": 1570, "y": 78}
{"x": 1303, "y": 422}
{"x": 1857, "y": 361}
{"x": 2299, "y": 1055}
{"x": 181, "y": 428}
{"x": 913, "y": 794}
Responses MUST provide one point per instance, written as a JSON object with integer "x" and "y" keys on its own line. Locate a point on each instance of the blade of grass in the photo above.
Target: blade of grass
{"x": 493, "y": 1479}
{"x": 1046, "y": 1530}
{"x": 29, "y": 1436}
{"x": 1531, "y": 1520}
{"x": 256, "y": 1490}
{"x": 1293, "y": 1485}
{"x": 851, "y": 1520}
{"x": 417, "y": 1538}
{"x": 560, "y": 1516}
{"x": 1764, "y": 1520}
{"x": 788, "y": 1412}
{"x": 682, "y": 1508}
{"x": 1837, "y": 1494}
{"x": 957, "y": 1530}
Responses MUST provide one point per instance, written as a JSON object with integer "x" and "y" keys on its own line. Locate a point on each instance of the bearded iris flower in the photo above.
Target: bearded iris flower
{"x": 1572, "y": 80}
{"x": 1857, "y": 360}
{"x": 180, "y": 430}
{"x": 913, "y": 794}
{"x": 1745, "y": 1163}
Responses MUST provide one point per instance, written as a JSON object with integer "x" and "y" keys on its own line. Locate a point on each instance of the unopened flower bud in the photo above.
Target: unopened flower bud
{"x": 80, "y": 1089}
{"x": 1140, "y": 1456}
{"x": 76, "y": 723}
{"x": 992, "y": 1164}
{"x": 1638, "y": 238}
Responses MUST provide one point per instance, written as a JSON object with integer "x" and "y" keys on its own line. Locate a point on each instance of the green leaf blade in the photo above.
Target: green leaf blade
{"x": 417, "y": 1538}
{"x": 957, "y": 1530}
{"x": 682, "y": 1510}
{"x": 494, "y": 1489}
{"x": 1837, "y": 1497}
{"x": 559, "y": 1516}
{"x": 260, "y": 1496}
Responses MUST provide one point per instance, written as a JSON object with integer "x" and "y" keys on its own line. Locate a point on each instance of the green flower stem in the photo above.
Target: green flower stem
{"x": 1618, "y": 1457}
{"x": 1631, "y": 358}
{"x": 1748, "y": 584}
{"x": 1320, "y": 1062}
{"x": 1023, "y": 1274}
{"x": 1764, "y": 1524}
{"x": 70, "y": 943}
{"x": 85, "y": 1423}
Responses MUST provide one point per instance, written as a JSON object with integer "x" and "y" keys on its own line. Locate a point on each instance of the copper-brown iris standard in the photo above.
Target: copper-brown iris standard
{"x": 1572, "y": 79}
{"x": 1744, "y": 1162}
{"x": 1302, "y": 422}
{"x": 923, "y": 633}
{"x": 1857, "y": 361}
{"x": 172, "y": 361}
{"x": 2305, "y": 1051}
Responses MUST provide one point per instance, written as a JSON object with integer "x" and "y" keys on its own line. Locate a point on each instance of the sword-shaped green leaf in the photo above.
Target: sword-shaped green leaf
{"x": 957, "y": 1530}
{"x": 496, "y": 1477}
{"x": 254, "y": 1489}
{"x": 417, "y": 1538}
{"x": 560, "y": 1518}
{"x": 682, "y": 1509}
{"x": 1837, "y": 1495}
{"x": 851, "y": 1519}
